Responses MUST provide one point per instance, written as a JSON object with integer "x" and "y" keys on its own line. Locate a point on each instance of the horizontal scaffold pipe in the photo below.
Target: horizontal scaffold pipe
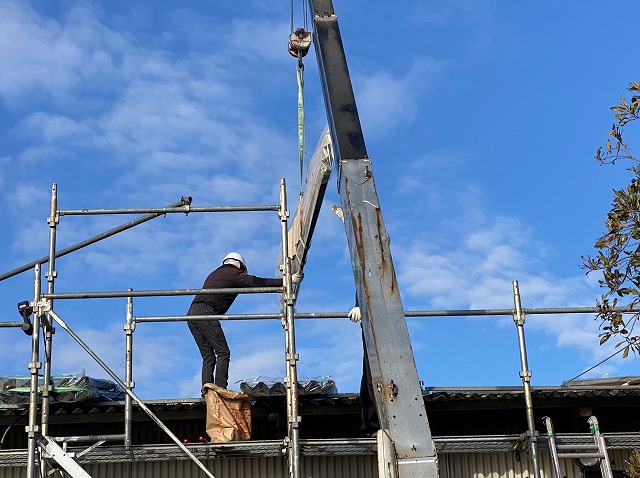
{"x": 184, "y": 201}
{"x": 160, "y": 293}
{"x": 473, "y": 313}
{"x": 408, "y": 313}
{"x": 182, "y": 318}
{"x": 88, "y": 438}
{"x": 168, "y": 210}
{"x": 11, "y": 324}
{"x": 510, "y": 312}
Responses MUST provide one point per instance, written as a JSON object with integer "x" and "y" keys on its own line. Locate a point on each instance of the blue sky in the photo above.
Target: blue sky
{"x": 481, "y": 118}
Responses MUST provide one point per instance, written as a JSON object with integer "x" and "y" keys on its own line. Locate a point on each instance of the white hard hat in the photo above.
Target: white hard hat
{"x": 236, "y": 257}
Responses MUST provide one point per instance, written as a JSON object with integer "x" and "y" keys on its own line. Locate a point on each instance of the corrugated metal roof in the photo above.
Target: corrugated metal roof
{"x": 431, "y": 395}
{"x": 436, "y": 394}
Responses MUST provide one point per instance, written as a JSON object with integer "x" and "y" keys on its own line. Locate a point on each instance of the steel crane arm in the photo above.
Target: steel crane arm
{"x": 388, "y": 348}
{"x": 339, "y": 100}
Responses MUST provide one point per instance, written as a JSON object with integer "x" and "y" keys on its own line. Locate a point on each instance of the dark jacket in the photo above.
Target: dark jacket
{"x": 229, "y": 276}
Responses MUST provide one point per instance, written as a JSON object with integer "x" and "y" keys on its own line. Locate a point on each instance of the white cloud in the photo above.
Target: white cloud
{"x": 55, "y": 128}
{"x": 166, "y": 127}
{"x": 107, "y": 343}
{"x": 4, "y": 162}
{"x": 471, "y": 267}
{"x": 466, "y": 258}
{"x": 268, "y": 361}
{"x": 386, "y": 101}
{"x": 332, "y": 347}
{"x": 479, "y": 278}
{"x": 15, "y": 353}
{"x": 139, "y": 123}
{"x": 263, "y": 38}
{"x": 50, "y": 56}
{"x": 39, "y": 155}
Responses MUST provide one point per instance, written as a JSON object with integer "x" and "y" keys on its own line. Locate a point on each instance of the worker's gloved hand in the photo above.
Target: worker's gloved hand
{"x": 297, "y": 277}
{"x": 355, "y": 315}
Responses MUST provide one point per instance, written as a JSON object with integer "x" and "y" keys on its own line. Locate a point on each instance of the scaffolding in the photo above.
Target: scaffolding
{"x": 43, "y": 448}
{"x": 44, "y": 317}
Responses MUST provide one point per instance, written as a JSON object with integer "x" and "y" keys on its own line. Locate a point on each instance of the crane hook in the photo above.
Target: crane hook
{"x": 299, "y": 43}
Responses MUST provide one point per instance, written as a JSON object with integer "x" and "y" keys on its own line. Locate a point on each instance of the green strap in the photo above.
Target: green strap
{"x": 301, "y": 136}
{"x": 54, "y": 389}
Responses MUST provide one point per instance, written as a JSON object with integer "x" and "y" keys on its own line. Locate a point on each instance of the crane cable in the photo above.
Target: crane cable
{"x": 305, "y": 14}
{"x": 291, "y": 14}
{"x": 299, "y": 43}
{"x": 301, "y": 128}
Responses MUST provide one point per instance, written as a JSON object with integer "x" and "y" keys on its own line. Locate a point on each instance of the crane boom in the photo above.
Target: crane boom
{"x": 399, "y": 394}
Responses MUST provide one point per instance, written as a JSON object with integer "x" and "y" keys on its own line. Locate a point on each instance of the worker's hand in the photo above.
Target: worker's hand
{"x": 297, "y": 277}
{"x": 355, "y": 315}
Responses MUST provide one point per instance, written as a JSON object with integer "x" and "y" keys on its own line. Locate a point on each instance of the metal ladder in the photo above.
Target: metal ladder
{"x": 597, "y": 450}
{"x": 65, "y": 460}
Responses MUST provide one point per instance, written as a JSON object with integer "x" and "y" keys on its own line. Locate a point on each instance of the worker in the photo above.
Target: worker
{"x": 208, "y": 334}
{"x": 370, "y": 422}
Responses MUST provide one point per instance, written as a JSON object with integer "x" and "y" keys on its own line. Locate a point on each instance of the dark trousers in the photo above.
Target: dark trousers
{"x": 370, "y": 422}
{"x": 212, "y": 344}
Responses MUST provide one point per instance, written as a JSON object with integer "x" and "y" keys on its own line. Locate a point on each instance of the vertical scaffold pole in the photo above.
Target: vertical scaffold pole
{"x": 34, "y": 366}
{"x": 48, "y": 329}
{"x": 293, "y": 438}
{"x": 129, "y": 328}
{"x": 525, "y": 375}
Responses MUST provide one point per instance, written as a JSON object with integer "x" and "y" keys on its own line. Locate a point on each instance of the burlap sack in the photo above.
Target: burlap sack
{"x": 228, "y": 414}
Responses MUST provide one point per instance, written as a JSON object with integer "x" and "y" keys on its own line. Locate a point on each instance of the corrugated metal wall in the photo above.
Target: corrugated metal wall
{"x": 13, "y": 472}
{"x": 454, "y": 465}
{"x": 506, "y": 465}
{"x": 312, "y": 466}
